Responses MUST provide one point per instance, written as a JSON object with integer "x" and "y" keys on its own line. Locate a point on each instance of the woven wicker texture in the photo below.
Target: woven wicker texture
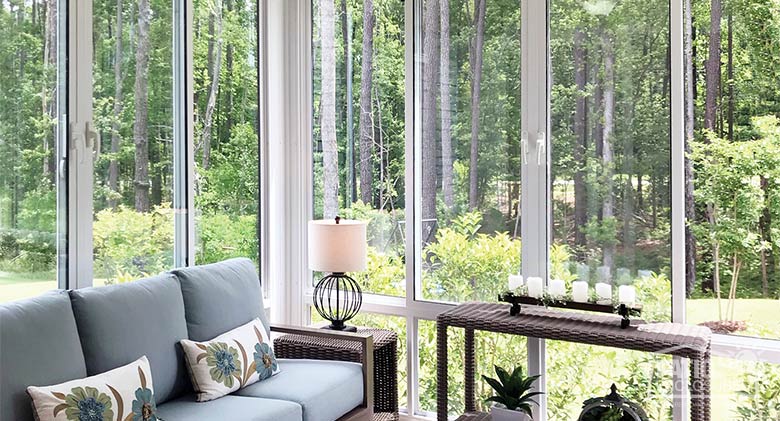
{"x": 474, "y": 416}
{"x": 385, "y": 362}
{"x": 687, "y": 341}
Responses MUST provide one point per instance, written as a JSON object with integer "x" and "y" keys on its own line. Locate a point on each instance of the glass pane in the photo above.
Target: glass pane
{"x": 133, "y": 110}
{"x": 578, "y": 372}
{"x": 733, "y": 170}
{"x": 382, "y": 321}
{"x": 745, "y": 389}
{"x": 33, "y": 175}
{"x": 226, "y": 130}
{"x": 470, "y": 148}
{"x": 610, "y": 146}
{"x": 491, "y": 349}
{"x": 358, "y": 143}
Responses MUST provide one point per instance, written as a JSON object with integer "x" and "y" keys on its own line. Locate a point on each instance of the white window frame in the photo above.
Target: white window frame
{"x": 290, "y": 203}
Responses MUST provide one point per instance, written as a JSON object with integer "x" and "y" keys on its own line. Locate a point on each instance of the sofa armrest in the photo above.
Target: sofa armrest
{"x": 366, "y": 341}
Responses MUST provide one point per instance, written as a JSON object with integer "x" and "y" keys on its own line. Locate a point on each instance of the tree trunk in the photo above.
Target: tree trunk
{"x": 350, "y": 194}
{"x": 49, "y": 102}
{"x": 116, "y": 139}
{"x": 430, "y": 69}
{"x": 765, "y": 226}
{"x": 208, "y": 118}
{"x": 366, "y": 120}
{"x": 141, "y": 129}
{"x": 713, "y": 68}
{"x": 229, "y": 53}
{"x": 730, "y": 73}
{"x": 581, "y": 142}
{"x": 607, "y": 154}
{"x": 476, "y": 85}
{"x": 330, "y": 152}
{"x": 690, "y": 118}
{"x": 447, "y": 178}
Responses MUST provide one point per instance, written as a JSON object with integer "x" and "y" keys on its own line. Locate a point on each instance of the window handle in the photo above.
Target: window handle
{"x": 524, "y": 145}
{"x": 541, "y": 148}
{"x": 92, "y": 141}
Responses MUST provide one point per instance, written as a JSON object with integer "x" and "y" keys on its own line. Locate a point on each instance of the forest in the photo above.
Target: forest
{"x": 610, "y": 170}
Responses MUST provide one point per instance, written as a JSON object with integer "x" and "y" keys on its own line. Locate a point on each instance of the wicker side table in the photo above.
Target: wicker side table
{"x": 692, "y": 342}
{"x": 385, "y": 362}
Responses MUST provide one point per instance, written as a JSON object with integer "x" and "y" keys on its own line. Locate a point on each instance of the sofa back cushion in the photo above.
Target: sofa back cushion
{"x": 39, "y": 345}
{"x": 220, "y": 297}
{"x": 120, "y": 323}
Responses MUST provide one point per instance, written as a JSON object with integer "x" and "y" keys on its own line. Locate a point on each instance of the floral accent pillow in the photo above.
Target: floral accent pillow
{"x": 231, "y": 361}
{"x": 122, "y": 394}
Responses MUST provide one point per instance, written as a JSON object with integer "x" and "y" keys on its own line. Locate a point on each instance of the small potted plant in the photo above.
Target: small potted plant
{"x": 513, "y": 398}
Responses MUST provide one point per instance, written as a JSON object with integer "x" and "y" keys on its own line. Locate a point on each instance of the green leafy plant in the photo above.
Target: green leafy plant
{"x": 513, "y": 390}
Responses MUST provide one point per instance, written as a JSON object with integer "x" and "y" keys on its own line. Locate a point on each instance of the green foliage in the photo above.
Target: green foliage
{"x": 223, "y": 236}
{"x": 513, "y": 391}
{"x": 467, "y": 265}
{"x": 27, "y": 251}
{"x": 760, "y": 398}
{"x": 135, "y": 243}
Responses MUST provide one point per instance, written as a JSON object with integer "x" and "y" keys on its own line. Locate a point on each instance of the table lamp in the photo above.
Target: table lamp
{"x": 337, "y": 246}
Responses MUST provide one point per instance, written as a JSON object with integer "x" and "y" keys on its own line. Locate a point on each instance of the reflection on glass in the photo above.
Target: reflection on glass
{"x": 610, "y": 147}
{"x": 358, "y": 135}
{"x": 33, "y": 103}
{"x": 470, "y": 148}
{"x": 745, "y": 389}
{"x": 133, "y": 110}
{"x": 226, "y": 130}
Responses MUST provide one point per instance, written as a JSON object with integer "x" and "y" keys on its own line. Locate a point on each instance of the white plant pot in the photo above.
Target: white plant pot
{"x": 500, "y": 413}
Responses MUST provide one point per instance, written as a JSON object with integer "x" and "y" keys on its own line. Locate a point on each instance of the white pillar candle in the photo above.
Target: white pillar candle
{"x": 627, "y": 294}
{"x": 557, "y": 288}
{"x": 535, "y": 286}
{"x": 579, "y": 291}
{"x": 604, "y": 291}
{"x": 515, "y": 282}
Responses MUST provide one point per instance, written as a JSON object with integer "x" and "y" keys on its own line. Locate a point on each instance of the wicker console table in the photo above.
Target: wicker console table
{"x": 385, "y": 362}
{"x": 692, "y": 342}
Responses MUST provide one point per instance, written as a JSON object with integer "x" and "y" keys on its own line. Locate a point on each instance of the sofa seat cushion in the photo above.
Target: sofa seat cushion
{"x": 326, "y": 390}
{"x": 233, "y": 408}
{"x": 39, "y": 345}
{"x": 220, "y": 297}
{"x": 120, "y": 323}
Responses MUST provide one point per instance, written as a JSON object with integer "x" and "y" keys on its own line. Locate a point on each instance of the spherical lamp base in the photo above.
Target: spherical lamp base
{"x": 338, "y": 298}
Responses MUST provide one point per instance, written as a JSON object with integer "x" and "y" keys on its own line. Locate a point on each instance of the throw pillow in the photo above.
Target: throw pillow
{"x": 124, "y": 393}
{"x": 230, "y": 361}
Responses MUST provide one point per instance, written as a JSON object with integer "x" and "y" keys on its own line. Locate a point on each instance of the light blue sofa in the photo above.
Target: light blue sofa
{"x": 66, "y": 335}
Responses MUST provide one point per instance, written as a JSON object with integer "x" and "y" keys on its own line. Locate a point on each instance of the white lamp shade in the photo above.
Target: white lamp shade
{"x": 337, "y": 247}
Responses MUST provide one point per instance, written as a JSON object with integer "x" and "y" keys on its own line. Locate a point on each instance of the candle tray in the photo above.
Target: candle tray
{"x": 622, "y": 309}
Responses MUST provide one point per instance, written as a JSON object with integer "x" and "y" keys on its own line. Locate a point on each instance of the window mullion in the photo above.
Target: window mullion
{"x": 679, "y": 391}
{"x": 535, "y": 204}
{"x": 80, "y": 165}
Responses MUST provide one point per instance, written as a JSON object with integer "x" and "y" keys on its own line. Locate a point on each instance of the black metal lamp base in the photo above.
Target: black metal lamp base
{"x": 345, "y": 328}
{"x": 338, "y": 298}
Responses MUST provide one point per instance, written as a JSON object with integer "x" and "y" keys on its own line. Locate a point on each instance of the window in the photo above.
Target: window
{"x": 226, "y": 130}
{"x": 470, "y": 151}
{"x": 733, "y": 133}
{"x": 133, "y": 228}
{"x": 611, "y": 140}
{"x": 574, "y": 143}
{"x": 33, "y": 172}
{"x": 359, "y": 128}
